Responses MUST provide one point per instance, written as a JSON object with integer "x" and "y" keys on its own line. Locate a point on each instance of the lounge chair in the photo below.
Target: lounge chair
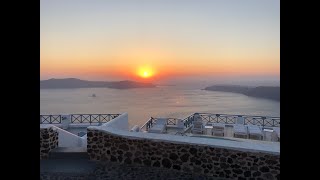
{"x": 181, "y": 128}
{"x": 197, "y": 127}
{"x": 197, "y": 117}
{"x": 180, "y": 124}
{"x": 218, "y": 129}
{"x": 160, "y": 126}
{"x": 255, "y": 132}
{"x": 239, "y": 129}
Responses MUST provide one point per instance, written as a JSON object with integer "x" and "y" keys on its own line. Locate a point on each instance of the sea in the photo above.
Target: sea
{"x": 143, "y": 103}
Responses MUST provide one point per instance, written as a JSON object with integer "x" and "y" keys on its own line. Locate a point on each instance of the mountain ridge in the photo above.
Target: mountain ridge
{"x": 67, "y": 83}
{"x": 266, "y": 92}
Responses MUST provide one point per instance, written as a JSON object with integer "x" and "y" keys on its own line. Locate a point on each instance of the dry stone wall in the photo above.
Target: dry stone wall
{"x": 198, "y": 159}
{"x": 48, "y": 141}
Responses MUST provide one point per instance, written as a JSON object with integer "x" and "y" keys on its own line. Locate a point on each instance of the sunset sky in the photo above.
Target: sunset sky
{"x": 159, "y": 39}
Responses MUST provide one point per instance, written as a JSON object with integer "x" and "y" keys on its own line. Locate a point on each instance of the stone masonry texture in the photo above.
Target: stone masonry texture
{"x": 197, "y": 159}
{"x": 48, "y": 141}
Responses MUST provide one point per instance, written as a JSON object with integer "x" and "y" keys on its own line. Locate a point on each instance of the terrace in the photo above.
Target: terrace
{"x": 76, "y": 123}
{"x": 221, "y": 126}
{"x": 164, "y": 143}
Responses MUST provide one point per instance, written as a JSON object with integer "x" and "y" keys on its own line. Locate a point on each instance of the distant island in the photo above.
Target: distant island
{"x": 78, "y": 83}
{"x": 267, "y": 92}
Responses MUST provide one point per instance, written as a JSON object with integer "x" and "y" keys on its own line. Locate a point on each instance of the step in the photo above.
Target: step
{"x": 69, "y": 153}
{"x": 67, "y": 166}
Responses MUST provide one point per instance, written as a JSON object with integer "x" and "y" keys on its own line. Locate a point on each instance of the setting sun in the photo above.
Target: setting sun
{"x": 145, "y": 72}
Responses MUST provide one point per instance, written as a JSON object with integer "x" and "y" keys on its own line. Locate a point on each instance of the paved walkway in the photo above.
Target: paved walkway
{"x": 77, "y": 166}
{"x": 83, "y": 169}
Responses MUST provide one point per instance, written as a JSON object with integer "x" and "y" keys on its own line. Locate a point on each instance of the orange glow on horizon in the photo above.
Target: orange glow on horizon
{"x": 145, "y": 72}
{"x": 149, "y": 70}
{"x": 150, "y": 42}
{"x": 154, "y": 72}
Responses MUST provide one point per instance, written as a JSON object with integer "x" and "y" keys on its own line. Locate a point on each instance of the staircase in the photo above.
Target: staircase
{"x": 66, "y": 163}
{"x": 69, "y": 153}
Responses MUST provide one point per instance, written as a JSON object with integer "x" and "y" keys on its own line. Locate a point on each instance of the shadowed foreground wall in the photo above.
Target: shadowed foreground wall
{"x": 48, "y": 141}
{"x": 199, "y": 159}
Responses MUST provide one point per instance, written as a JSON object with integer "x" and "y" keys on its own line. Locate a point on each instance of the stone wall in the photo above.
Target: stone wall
{"x": 48, "y": 141}
{"x": 198, "y": 159}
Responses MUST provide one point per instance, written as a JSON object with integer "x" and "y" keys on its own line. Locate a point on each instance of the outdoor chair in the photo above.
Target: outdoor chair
{"x": 239, "y": 129}
{"x": 160, "y": 126}
{"x": 197, "y": 127}
{"x": 218, "y": 129}
{"x": 255, "y": 132}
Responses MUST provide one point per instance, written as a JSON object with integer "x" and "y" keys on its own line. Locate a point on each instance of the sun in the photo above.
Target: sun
{"x": 145, "y": 72}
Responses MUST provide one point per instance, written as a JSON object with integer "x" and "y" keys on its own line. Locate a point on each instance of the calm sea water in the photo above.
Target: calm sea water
{"x": 163, "y": 101}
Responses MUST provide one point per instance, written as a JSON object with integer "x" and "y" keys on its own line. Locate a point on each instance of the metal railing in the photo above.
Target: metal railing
{"x": 219, "y": 118}
{"x": 188, "y": 121}
{"x": 78, "y": 118}
{"x": 148, "y": 124}
{"x": 92, "y": 118}
{"x": 152, "y": 121}
{"x": 232, "y": 119}
{"x": 172, "y": 121}
{"x": 50, "y": 119}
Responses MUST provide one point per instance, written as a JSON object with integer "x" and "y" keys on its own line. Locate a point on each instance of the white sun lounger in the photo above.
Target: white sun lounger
{"x": 255, "y": 132}
{"x": 240, "y": 131}
{"x": 197, "y": 127}
{"x": 159, "y": 126}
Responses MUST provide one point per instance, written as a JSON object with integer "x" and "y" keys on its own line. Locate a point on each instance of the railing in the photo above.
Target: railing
{"x": 219, "y": 118}
{"x": 92, "y": 118}
{"x": 78, "y": 118}
{"x": 152, "y": 121}
{"x": 232, "y": 119}
{"x": 148, "y": 124}
{"x": 50, "y": 119}
{"x": 172, "y": 121}
{"x": 188, "y": 121}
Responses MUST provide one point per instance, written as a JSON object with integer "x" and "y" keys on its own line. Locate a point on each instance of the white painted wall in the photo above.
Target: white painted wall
{"x": 135, "y": 128}
{"x": 46, "y": 126}
{"x": 67, "y": 139}
{"x": 120, "y": 122}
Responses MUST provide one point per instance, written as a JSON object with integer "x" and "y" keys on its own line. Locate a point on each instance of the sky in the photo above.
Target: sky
{"x": 159, "y": 39}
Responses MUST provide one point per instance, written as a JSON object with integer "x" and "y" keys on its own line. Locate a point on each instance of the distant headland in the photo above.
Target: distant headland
{"x": 68, "y": 83}
{"x": 267, "y": 92}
